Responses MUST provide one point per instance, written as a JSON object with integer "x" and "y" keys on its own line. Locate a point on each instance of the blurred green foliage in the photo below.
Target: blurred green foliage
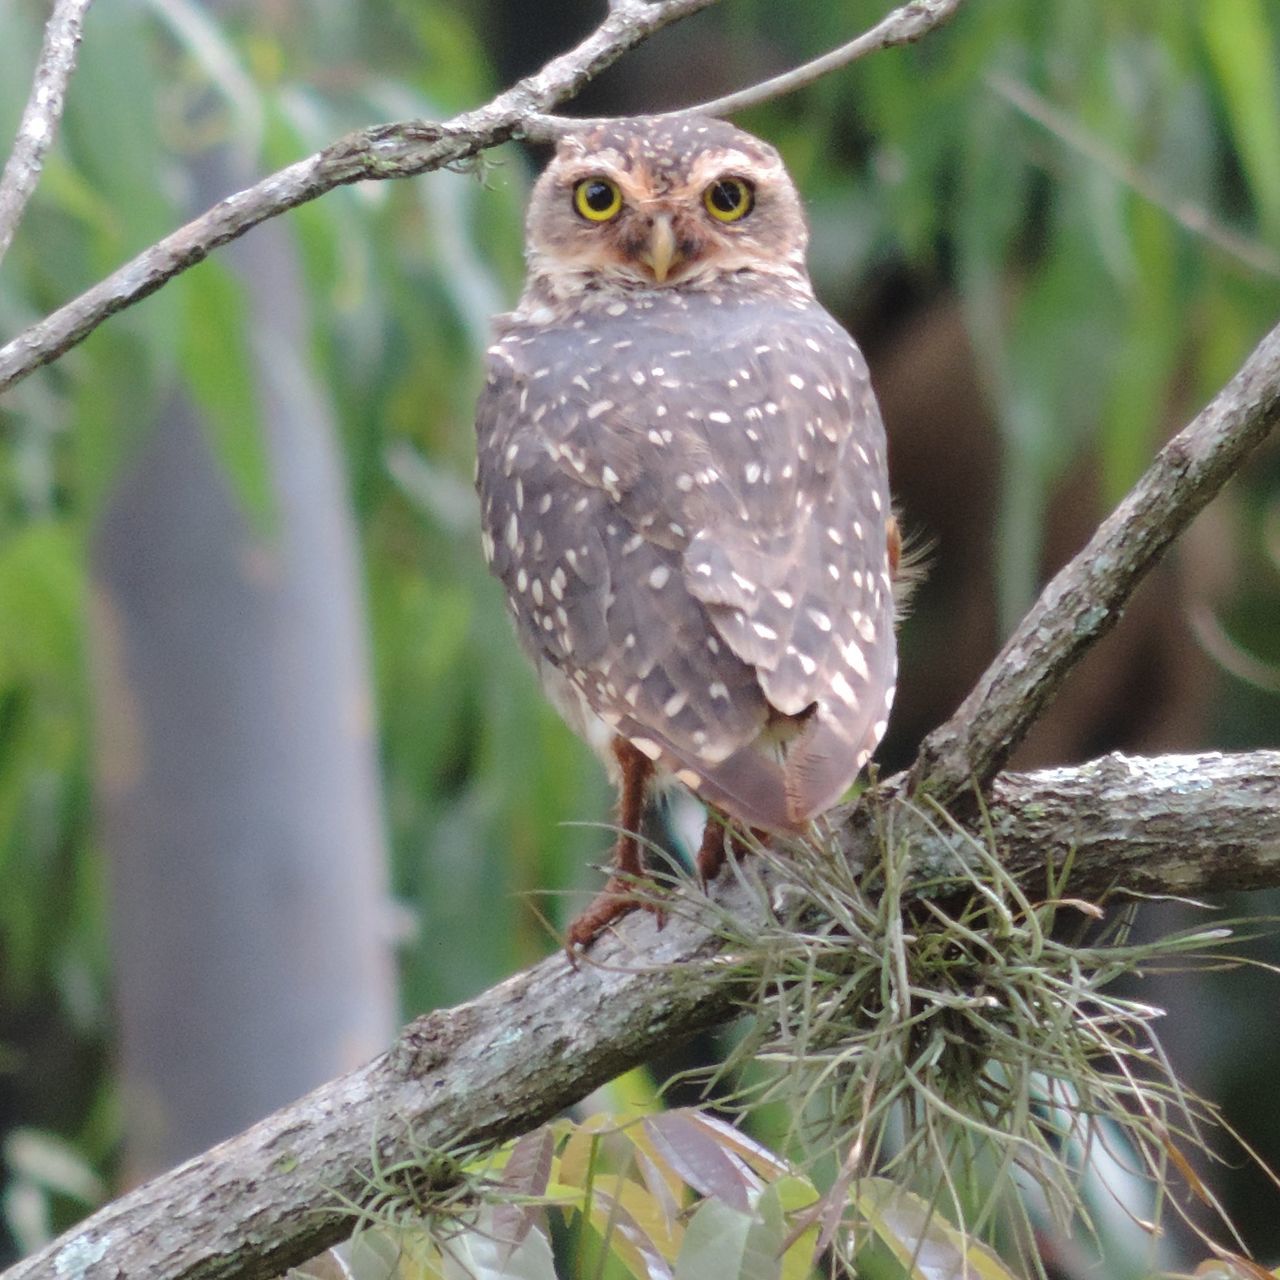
{"x": 1097, "y": 304}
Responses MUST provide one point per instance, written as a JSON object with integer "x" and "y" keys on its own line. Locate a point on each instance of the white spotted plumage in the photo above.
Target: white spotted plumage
{"x": 683, "y": 484}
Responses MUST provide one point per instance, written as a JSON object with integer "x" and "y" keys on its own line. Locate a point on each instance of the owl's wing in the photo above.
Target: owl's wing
{"x": 800, "y": 589}
{"x": 591, "y": 593}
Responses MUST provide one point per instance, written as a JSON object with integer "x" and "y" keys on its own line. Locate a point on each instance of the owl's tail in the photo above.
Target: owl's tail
{"x": 798, "y": 768}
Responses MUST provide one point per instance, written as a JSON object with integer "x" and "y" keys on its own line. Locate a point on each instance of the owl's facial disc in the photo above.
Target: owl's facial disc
{"x": 627, "y": 229}
{"x": 683, "y": 203}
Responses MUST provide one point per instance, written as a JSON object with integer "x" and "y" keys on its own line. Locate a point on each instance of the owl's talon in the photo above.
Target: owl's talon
{"x": 618, "y": 898}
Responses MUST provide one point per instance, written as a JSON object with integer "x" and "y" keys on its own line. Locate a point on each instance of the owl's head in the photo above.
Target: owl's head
{"x": 650, "y": 202}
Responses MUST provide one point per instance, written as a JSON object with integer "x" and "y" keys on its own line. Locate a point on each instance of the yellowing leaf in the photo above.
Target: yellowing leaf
{"x": 623, "y": 1235}
{"x": 645, "y": 1210}
{"x": 576, "y": 1162}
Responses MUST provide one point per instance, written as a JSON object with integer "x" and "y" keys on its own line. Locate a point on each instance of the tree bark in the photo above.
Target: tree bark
{"x": 511, "y": 1059}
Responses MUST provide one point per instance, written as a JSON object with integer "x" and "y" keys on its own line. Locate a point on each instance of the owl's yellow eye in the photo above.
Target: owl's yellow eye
{"x": 597, "y": 199}
{"x": 729, "y": 199}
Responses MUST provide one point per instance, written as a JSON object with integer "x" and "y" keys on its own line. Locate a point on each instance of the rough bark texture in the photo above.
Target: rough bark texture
{"x": 1177, "y": 824}
{"x": 499, "y": 1065}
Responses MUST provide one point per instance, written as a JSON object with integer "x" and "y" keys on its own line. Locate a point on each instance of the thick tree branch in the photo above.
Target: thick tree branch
{"x": 39, "y": 123}
{"x": 1085, "y": 600}
{"x": 1178, "y": 824}
{"x": 503, "y": 1063}
{"x": 384, "y": 151}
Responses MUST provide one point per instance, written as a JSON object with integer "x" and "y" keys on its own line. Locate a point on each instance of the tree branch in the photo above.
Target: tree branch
{"x": 408, "y": 148}
{"x": 383, "y": 151}
{"x": 39, "y": 123}
{"x": 1177, "y": 824}
{"x": 905, "y": 25}
{"x": 1086, "y": 598}
{"x": 517, "y": 1055}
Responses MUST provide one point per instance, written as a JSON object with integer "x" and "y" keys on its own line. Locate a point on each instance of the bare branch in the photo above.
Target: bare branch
{"x": 515, "y": 1056}
{"x": 905, "y": 25}
{"x": 1085, "y": 600}
{"x": 39, "y": 123}
{"x": 383, "y": 151}
{"x": 1147, "y": 825}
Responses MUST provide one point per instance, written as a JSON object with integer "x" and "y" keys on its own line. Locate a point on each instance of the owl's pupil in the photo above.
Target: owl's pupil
{"x": 726, "y": 196}
{"x": 598, "y": 196}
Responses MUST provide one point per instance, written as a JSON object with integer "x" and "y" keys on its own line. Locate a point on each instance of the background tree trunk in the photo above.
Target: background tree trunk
{"x": 237, "y": 785}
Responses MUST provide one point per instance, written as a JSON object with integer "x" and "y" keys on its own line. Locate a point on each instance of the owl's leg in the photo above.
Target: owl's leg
{"x": 720, "y": 832}
{"x": 711, "y": 854}
{"x": 619, "y": 893}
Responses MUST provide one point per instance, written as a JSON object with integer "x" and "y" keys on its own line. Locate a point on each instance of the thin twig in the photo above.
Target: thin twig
{"x": 905, "y": 25}
{"x": 1087, "y": 597}
{"x": 1189, "y": 216}
{"x": 39, "y": 122}
{"x": 383, "y": 151}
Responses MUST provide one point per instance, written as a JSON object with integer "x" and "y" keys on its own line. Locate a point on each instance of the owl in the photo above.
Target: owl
{"x": 683, "y": 486}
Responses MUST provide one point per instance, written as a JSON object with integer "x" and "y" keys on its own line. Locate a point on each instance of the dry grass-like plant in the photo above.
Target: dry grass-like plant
{"x": 964, "y": 1040}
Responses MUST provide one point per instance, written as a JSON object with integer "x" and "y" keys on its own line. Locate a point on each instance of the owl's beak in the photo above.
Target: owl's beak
{"x": 662, "y": 252}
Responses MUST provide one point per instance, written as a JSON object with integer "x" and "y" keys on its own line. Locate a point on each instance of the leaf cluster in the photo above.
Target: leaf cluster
{"x": 677, "y": 1195}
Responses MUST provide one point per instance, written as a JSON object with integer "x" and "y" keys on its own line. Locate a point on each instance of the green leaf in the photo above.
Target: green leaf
{"x": 41, "y": 586}
{"x": 762, "y": 1256}
{"x": 926, "y": 1244}
{"x": 478, "y": 1255}
{"x": 795, "y": 1195}
{"x": 715, "y": 1243}
{"x": 1242, "y": 49}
